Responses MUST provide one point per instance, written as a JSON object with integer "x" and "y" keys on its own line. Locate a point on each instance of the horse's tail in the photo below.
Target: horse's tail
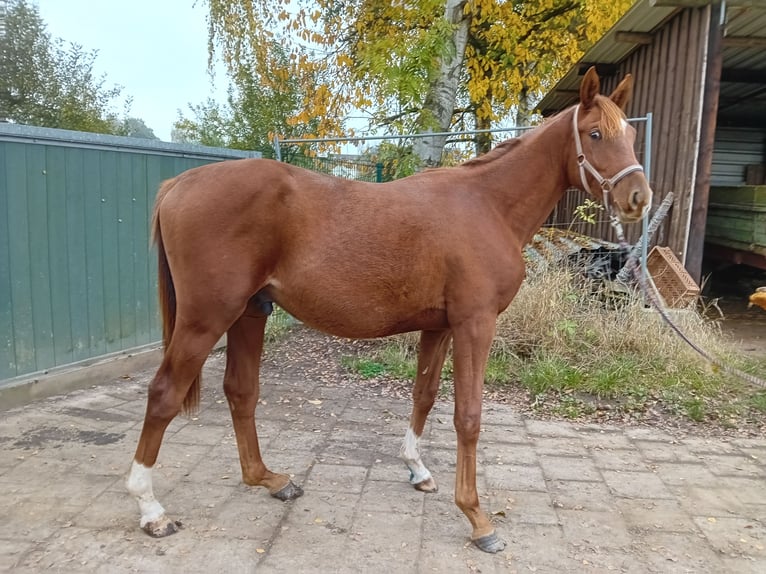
{"x": 167, "y": 295}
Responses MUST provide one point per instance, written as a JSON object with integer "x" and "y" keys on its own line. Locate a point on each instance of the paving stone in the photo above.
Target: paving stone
{"x": 735, "y": 466}
{"x": 742, "y": 565}
{"x": 619, "y": 459}
{"x": 498, "y": 414}
{"x": 734, "y": 536}
{"x": 708, "y": 501}
{"x": 655, "y": 515}
{"x": 503, "y": 434}
{"x": 589, "y": 529}
{"x": 11, "y": 552}
{"x": 683, "y": 473}
{"x": 515, "y": 477}
{"x": 678, "y": 552}
{"x": 566, "y": 497}
{"x": 538, "y": 548}
{"x": 397, "y": 497}
{"x": 636, "y": 484}
{"x": 649, "y": 434}
{"x": 580, "y": 495}
{"x": 550, "y": 429}
{"x": 523, "y": 506}
{"x": 560, "y": 446}
{"x": 502, "y": 453}
{"x": 697, "y": 445}
{"x": 665, "y": 451}
{"x": 597, "y": 438}
{"x": 569, "y": 468}
{"x": 337, "y": 477}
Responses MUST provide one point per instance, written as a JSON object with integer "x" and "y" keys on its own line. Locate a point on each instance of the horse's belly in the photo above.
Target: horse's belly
{"x": 360, "y": 316}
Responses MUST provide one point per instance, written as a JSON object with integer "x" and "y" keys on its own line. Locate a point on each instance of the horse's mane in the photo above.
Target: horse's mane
{"x": 612, "y": 117}
{"x": 500, "y": 149}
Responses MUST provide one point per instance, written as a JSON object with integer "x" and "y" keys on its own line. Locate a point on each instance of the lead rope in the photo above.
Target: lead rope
{"x": 649, "y": 291}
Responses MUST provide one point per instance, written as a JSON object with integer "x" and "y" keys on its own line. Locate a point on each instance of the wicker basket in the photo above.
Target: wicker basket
{"x": 673, "y": 282}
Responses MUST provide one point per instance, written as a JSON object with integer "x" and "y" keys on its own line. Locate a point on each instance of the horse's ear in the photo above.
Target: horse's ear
{"x": 622, "y": 93}
{"x": 589, "y": 87}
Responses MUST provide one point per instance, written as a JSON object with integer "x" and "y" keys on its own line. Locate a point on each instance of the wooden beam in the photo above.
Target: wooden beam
{"x": 698, "y": 3}
{"x": 679, "y": 3}
{"x": 731, "y": 256}
{"x": 744, "y": 42}
{"x": 711, "y": 92}
{"x": 634, "y": 37}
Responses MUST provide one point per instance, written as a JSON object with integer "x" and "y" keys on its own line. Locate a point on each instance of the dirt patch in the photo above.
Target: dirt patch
{"x": 56, "y": 437}
{"x": 745, "y": 327}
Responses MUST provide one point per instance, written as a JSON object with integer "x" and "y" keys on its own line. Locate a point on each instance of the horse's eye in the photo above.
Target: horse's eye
{"x": 595, "y": 134}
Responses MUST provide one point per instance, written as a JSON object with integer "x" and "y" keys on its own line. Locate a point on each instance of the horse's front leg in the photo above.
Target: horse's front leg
{"x": 472, "y": 342}
{"x": 244, "y": 344}
{"x": 433, "y": 350}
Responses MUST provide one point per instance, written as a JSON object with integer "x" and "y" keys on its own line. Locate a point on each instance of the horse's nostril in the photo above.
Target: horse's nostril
{"x": 635, "y": 197}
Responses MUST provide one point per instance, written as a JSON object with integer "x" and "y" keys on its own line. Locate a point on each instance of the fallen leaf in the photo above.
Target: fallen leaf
{"x": 314, "y": 402}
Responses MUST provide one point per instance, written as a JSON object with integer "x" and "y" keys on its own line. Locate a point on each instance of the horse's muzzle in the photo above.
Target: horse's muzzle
{"x": 639, "y": 201}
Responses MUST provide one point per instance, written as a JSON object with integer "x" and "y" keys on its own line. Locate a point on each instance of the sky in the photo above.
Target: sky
{"x": 155, "y": 49}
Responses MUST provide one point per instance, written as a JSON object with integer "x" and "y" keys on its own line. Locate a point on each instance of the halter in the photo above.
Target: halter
{"x": 607, "y": 184}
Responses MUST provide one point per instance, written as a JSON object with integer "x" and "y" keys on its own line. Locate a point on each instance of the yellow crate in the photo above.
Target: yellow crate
{"x": 674, "y": 283}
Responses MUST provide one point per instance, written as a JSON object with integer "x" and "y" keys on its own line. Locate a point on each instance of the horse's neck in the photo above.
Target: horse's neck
{"x": 530, "y": 178}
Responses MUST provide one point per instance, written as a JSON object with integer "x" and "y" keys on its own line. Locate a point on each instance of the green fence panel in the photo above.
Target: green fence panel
{"x": 77, "y": 272}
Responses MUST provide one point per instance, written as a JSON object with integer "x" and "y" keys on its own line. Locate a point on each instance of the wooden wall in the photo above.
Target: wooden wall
{"x": 668, "y": 75}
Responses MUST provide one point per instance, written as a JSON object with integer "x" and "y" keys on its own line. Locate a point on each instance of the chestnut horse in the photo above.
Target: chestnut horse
{"x": 438, "y": 252}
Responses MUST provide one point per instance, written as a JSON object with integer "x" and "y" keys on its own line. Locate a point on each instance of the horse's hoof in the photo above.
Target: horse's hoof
{"x": 491, "y": 543}
{"x": 428, "y": 485}
{"x": 289, "y": 492}
{"x": 162, "y": 527}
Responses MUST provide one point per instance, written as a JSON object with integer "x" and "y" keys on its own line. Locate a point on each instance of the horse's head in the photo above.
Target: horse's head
{"x": 604, "y": 162}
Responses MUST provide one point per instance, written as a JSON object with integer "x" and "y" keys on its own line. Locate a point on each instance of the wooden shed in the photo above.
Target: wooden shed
{"x": 700, "y": 70}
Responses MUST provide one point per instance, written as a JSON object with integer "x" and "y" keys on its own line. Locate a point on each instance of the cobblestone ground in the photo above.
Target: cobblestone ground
{"x": 565, "y": 497}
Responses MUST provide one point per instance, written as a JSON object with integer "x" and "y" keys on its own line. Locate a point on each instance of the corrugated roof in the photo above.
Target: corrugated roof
{"x": 741, "y": 61}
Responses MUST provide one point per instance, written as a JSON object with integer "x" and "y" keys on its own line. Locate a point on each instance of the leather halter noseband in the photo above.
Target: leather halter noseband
{"x": 607, "y": 184}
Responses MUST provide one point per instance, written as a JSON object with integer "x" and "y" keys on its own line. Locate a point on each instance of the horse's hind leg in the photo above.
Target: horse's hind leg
{"x": 433, "y": 350}
{"x": 181, "y": 364}
{"x": 244, "y": 343}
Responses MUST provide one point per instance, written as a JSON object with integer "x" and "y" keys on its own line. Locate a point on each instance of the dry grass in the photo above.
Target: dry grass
{"x": 589, "y": 322}
{"x": 577, "y": 346}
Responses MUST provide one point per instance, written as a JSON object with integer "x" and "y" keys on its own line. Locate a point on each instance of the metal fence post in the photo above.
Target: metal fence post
{"x": 378, "y": 172}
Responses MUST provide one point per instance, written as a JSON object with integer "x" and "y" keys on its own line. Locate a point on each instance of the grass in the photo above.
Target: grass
{"x": 575, "y": 346}
{"x": 278, "y": 325}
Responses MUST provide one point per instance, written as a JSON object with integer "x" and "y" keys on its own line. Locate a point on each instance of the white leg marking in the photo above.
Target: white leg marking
{"x": 409, "y": 453}
{"x": 139, "y": 484}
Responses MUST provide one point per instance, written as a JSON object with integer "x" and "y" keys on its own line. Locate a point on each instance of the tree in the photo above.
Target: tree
{"x": 133, "y": 128}
{"x": 424, "y": 65}
{"x": 254, "y": 112}
{"x": 43, "y": 82}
